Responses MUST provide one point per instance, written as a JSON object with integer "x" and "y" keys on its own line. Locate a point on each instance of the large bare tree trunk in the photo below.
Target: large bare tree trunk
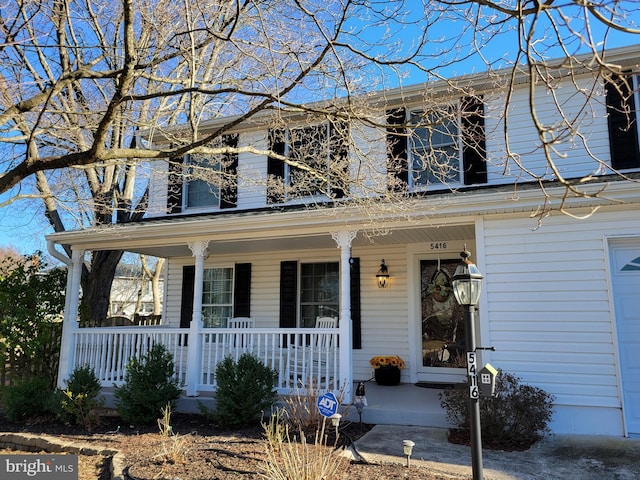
{"x": 96, "y": 286}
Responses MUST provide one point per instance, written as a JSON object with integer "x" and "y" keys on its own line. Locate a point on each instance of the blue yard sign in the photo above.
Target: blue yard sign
{"x": 327, "y": 404}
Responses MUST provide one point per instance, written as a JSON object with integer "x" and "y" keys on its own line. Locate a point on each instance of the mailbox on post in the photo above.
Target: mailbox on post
{"x": 488, "y": 381}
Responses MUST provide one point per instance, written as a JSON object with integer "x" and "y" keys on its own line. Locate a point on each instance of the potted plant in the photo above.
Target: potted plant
{"x": 386, "y": 369}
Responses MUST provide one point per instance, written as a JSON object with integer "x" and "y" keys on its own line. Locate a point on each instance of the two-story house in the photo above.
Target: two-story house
{"x": 559, "y": 302}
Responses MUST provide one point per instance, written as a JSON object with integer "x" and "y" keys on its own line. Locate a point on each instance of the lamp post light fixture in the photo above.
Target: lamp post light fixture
{"x": 383, "y": 275}
{"x": 407, "y": 447}
{"x": 467, "y": 284}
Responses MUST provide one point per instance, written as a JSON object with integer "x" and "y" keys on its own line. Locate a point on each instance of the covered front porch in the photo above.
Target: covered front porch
{"x": 370, "y": 320}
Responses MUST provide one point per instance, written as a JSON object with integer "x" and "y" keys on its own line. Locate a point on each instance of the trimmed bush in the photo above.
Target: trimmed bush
{"x": 28, "y": 399}
{"x": 149, "y": 385}
{"x": 515, "y": 418}
{"x": 245, "y": 390}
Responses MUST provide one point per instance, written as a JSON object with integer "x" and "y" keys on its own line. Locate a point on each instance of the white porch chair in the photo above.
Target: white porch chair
{"x": 314, "y": 362}
{"x": 240, "y": 340}
{"x": 241, "y": 322}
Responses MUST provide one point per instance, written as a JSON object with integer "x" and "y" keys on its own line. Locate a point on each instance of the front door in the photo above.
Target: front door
{"x": 442, "y": 353}
{"x": 626, "y": 285}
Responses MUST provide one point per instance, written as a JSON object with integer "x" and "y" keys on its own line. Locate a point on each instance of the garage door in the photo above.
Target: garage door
{"x": 626, "y": 291}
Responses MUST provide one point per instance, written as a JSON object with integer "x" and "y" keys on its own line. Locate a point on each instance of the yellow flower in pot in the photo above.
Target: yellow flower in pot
{"x": 387, "y": 369}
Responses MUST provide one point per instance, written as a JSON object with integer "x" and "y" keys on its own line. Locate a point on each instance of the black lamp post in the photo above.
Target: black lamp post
{"x": 467, "y": 284}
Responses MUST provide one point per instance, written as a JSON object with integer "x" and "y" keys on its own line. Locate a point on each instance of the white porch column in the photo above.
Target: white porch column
{"x": 70, "y": 319}
{"x": 200, "y": 251}
{"x": 344, "y": 238}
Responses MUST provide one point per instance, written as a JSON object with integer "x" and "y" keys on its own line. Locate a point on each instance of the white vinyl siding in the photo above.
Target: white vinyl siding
{"x": 549, "y": 310}
{"x": 523, "y": 140}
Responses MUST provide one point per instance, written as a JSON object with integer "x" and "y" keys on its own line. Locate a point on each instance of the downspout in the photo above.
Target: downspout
{"x": 69, "y": 323}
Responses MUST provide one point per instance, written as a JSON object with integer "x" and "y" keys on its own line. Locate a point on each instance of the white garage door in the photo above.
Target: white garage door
{"x": 626, "y": 291}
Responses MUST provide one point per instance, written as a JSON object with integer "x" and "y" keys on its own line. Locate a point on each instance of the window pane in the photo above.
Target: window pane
{"x": 434, "y": 149}
{"x": 217, "y": 296}
{"x": 201, "y": 188}
{"x": 319, "y": 292}
{"x": 308, "y": 146}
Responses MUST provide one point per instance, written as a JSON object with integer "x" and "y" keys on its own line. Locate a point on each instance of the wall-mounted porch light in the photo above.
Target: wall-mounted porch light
{"x": 383, "y": 275}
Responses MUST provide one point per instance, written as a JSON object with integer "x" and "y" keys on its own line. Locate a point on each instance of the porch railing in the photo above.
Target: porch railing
{"x": 301, "y": 357}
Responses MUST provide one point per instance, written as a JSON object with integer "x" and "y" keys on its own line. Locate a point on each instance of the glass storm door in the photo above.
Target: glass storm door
{"x": 442, "y": 321}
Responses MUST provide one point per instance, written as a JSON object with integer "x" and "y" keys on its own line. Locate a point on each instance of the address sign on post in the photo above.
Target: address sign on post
{"x": 472, "y": 371}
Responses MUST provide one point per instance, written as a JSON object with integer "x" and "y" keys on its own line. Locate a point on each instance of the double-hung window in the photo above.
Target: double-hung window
{"x": 319, "y": 292}
{"x": 217, "y": 296}
{"x": 436, "y": 156}
{"x": 316, "y": 165}
{"x": 202, "y": 187}
{"x": 308, "y": 149}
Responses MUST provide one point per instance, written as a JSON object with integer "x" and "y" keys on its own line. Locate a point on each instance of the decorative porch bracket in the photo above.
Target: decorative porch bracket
{"x": 343, "y": 238}
{"x": 200, "y": 251}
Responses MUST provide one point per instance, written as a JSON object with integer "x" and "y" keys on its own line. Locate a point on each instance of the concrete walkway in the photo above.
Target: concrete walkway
{"x": 574, "y": 457}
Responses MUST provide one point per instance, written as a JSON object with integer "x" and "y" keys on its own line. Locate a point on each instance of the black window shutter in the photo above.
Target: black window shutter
{"x": 186, "y": 303}
{"x": 339, "y": 158}
{"x": 288, "y": 293}
{"x": 474, "y": 150}
{"x": 397, "y": 166}
{"x": 356, "y": 322}
{"x": 242, "y": 290}
{"x": 174, "y": 185}
{"x": 623, "y": 138}
{"x": 229, "y": 191}
{"x": 275, "y": 167}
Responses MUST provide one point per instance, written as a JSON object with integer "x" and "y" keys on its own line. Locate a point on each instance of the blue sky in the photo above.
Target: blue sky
{"x": 23, "y": 226}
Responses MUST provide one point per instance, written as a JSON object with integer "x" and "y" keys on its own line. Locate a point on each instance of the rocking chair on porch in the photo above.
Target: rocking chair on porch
{"x": 240, "y": 340}
{"x": 313, "y": 363}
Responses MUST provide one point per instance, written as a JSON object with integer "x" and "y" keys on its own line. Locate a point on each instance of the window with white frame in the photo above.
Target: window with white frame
{"x": 435, "y": 153}
{"x": 319, "y": 292}
{"x": 217, "y": 297}
{"x": 202, "y": 182}
{"x": 308, "y": 149}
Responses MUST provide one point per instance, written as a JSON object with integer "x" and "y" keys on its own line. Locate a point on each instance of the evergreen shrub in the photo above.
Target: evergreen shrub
{"x": 149, "y": 385}
{"x": 245, "y": 389}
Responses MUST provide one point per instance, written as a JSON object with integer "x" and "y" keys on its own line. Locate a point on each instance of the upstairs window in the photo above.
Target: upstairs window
{"x": 308, "y": 149}
{"x": 204, "y": 182}
{"x": 435, "y": 149}
{"x": 202, "y": 185}
{"x": 623, "y": 99}
{"x": 318, "y": 162}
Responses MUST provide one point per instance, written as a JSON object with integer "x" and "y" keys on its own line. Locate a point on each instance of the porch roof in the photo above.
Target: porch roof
{"x": 436, "y": 218}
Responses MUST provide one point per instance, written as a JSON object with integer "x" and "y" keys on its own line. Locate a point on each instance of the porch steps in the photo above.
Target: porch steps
{"x": 404, "y": 404}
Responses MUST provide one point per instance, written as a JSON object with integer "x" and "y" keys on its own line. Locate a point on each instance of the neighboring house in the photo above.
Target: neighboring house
{"x": 559, "y": 302}
{"x": 131, "y": 295}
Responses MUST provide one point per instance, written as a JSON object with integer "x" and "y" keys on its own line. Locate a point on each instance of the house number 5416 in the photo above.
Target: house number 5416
{"x": 472, "y": 371}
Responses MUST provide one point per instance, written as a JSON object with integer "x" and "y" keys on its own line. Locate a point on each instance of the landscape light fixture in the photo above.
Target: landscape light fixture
{"x": 407, "y": 447}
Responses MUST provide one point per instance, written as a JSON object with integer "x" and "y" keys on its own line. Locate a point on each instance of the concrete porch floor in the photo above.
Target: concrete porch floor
{"x": 403, "y": 404}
